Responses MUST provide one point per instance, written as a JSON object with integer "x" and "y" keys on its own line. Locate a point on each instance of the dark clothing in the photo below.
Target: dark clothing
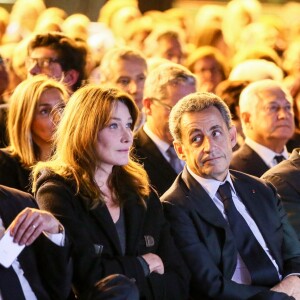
{"x": 97, "y": 251}
{"x": 3, "y": 127}
{"x": 246, "y": 160}
{"x": 160, "y": 172}
{"x": 285, "y": 177}
{"x": 294, "y": 141}
{"x": 46, "y": 266}
{"x": 207, "y": 244}
{"x": 114, "y": 287}
{"x": 12, "y": 173}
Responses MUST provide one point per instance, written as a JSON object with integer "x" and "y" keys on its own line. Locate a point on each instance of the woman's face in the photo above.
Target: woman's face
{"x": 42, "y": 127}
{"x": 115, "y": 140}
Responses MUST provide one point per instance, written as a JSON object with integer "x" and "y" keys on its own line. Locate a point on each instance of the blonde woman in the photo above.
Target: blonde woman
{"x": 102, "y": 197}
{"x": 30, "y": 129}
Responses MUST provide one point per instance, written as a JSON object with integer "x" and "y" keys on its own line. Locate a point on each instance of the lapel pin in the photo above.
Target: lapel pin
{"x": 253, "y": 191}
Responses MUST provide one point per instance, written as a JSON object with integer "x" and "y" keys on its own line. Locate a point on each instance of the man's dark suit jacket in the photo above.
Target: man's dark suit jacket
{"x": 206, "y": 242}
{"x": 13, "y": 173}
{"x": 46, "y": 266}
{"x": 160, "y": 172}
{"x": 246, "y": 160}
{"x": 97, "y": 251}
{"x": 286, "y": 178}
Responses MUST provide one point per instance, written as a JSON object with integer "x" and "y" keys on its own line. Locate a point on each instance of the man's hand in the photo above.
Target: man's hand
{"x": 155, "y": 263}
{"x": 290, "y": 286}
{"x": 30, "y": 223}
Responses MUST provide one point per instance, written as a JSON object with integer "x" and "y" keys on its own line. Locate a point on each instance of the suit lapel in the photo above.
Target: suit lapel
{"x": 102, "y": 216}
{"x": 148, "y": 146}
{"x": 202, "y": 202}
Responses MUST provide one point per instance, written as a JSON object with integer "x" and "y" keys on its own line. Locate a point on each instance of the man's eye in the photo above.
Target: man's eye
{"x": 123, "y": 81}
{"x": 216, "y": 133}
{"x": 142, "y": 78}
{"x": 196, "y": 139}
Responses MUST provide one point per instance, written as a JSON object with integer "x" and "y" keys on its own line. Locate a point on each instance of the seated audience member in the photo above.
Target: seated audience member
{"x": 58, "y": 56}
{"x": 285, "y": 177}
{"x": 266, "y": 111}
{"x": 126, "y": 68}
{"x": 229, "y": 91}
{"x": 209, "y": 66}
{"x": 165, "y": 43}
{"x": 42, "y": 270}
{"x": 30, "y": 129}
{"x": 102, "y": 197}
{"x": 153, "y": 143}
{"x": 255, "y": 70}
{"x": 230, "y": 228}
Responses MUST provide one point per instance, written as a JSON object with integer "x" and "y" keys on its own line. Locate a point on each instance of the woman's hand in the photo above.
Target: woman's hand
{"x": 155, "y": 263}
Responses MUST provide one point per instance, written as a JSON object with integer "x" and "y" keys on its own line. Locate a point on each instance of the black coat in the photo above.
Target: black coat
{"x": 97, "y": 252}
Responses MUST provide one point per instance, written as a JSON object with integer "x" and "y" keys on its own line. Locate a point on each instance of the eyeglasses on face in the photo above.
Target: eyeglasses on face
{"x": 163, "y": 104}
{"x": 42, "y": 62}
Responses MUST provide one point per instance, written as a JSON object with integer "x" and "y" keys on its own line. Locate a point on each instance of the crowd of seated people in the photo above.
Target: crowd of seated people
{"x": 117, "y": 137}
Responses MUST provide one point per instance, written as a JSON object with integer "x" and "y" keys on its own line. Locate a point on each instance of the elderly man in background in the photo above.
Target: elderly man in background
{"x": 266, "y": 112}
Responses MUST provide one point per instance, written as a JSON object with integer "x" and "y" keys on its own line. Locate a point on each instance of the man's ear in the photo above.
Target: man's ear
{"x": 179, "y": 148}
{"x": 233, "y": 135}
{"x": 246, "y": 119}
{"x": 147, "y": 106}
{"x": 70, "y": 77}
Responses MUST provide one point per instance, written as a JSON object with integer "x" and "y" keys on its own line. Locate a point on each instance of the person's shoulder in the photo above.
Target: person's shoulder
{"x": 251, "y": 180}
{"x": 177, "y": 191}
{"x": 17, "y": 196}
{"x": 48, "y": 177}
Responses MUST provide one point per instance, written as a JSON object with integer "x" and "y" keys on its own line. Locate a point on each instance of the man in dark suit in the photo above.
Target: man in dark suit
{"x": 266, "y": 112}
{"x": 42, "y": 270}
{"x": 230, "y": 228}
{"x": 285, "y": 177}
{"x": 164, "y": 86}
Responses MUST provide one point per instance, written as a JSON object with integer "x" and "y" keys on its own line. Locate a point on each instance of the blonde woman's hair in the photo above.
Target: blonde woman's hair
{"x": 88, "y": 111}
{"x": 22, "y": 106}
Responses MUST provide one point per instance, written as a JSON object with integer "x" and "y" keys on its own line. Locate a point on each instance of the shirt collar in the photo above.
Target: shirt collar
{"x": 211, "y": 186}
{"x": 266, "y": 154}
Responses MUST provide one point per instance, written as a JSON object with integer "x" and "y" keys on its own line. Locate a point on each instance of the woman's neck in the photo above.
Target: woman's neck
{"x": 45, "y": 152}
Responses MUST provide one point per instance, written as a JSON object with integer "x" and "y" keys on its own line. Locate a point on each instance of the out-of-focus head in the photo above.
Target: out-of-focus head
{"x": 30, "y": 123}
{"x": 76, "y": 26}
{"x": 256, "y": 69}
{"x": 164, "y": 86}
{"x": 209, "y": 66}
{"x": 127, "y": 69}
{"x": 57, "y": 56}
{"x": 166, "y": 43}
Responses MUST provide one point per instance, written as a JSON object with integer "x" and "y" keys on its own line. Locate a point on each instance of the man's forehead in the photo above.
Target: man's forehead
{"x": 205, "y": 119}
{"x": 273, "y": 95}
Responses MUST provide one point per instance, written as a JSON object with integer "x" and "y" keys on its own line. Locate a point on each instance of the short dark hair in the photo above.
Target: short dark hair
{"x": 72, "y": 55}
